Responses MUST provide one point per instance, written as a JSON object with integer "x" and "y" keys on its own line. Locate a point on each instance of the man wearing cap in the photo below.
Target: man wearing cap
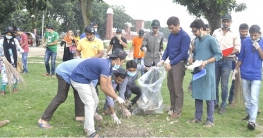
{"x": 250, "y": 62}
{"x": 24, "y": 44}
{"x": 95, "y": 69}
{"x": 177, "y": 52}
{"x": 50, "y": 42}
{"x": 138, "y": 54}
{"x": 152, "y": 45}
{"x": 90, "y": 46}
{"x": 229, "y": 43}
{"x": 117, "y": 41}
{"x": 243, "y": 31}
{"x": 95, "y": 26}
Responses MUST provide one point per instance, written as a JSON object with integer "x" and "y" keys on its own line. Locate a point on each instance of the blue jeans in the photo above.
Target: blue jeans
{"x": 222, "y": 70}
{"x": 24, "y": 61}
{"x": 251, "y": 90}
{"x": 141, "y": 63}
{"x": 209, "y": 110}
{"x": 53, "y": 56}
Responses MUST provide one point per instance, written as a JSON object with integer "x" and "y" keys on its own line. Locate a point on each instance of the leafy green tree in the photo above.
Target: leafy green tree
{"x": 212, "y": 10}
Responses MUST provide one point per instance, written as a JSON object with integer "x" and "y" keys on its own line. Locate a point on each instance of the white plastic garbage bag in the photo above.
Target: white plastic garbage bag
{"x": 151, "y": 100}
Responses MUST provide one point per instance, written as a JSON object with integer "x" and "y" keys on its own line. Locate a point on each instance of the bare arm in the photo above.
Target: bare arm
{"x": 109, "y": 48}
{"x": 239, "y": 63}
{"x": 99, "y": 55}
{"x": 106, "y": 87}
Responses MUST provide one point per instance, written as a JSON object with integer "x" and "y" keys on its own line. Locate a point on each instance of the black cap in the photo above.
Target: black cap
{"x": 18, "y": 29}
{"x": 49, "y": 26}
{"x": 254, "y": 29}
{"x": 119, "y": 53}
{"x": 141, "y": 32}
{"x": 118, "y": 30}
{"x": 121, "y": 71}
{"x": 9, "y": 30}
{"x": 90, "y": 29}
{"x": 155, "y": 24}
{"x": 227, "y": 17}
{"x": 243, "y": 26}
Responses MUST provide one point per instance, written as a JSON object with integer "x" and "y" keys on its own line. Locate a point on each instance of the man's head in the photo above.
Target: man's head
{"x": 207, "y": 28}
{"x": 155, "y": 26}
{"x": 119, "y": 75}
{"x": 141, "y": 33}
{"x": 90, "y": 33}
{"x": 131, "y": 67}
{"x": 18, "y": 31}
{"x": 173, "y": 24}
{"x": 95, "y": 25}
{"x": 117, "y": 57}
{"x": 118, "y": 32}
{"x": 198, "y": 28}
{"x": 49, "y": 27}
{"x": 255, "y": 32}
{"x": 9, "y": 32}
{"x": 243, "y": 30}
{"x": 226, "y": 21}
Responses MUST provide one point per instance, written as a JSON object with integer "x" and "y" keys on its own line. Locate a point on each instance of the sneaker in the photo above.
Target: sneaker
{"x": 222, "y": 110}
{"x": 251, "y": 125}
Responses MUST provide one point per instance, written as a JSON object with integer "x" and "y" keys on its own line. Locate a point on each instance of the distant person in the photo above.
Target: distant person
{"x": 206, "y": 49}
{"x": 24, "y": 44}
{"x": 77, "y": 36}
{"x": 138, "y": 54}
{"x": 70, "y": 46}
{"x": 229, "y": 43}
{"x": 153, "y": 45}
{"x": 117, "y": 41}
{"x": 50, "y": 42}
{"x": 250, "y": 62}
{"x": 177, "y": 52}
{"x": 95, "y": 26}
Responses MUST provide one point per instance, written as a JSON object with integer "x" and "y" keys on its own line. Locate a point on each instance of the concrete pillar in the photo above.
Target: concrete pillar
{"x": 109, "y": 24}
{"x": 139, "y": 25}
{"x": 128, "y": 32}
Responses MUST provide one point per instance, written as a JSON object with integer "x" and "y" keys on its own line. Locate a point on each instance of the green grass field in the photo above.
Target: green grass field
{"x": 24, "y": 108}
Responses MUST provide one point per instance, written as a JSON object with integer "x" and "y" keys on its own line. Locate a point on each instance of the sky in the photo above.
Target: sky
{"x": 149, "y": 10}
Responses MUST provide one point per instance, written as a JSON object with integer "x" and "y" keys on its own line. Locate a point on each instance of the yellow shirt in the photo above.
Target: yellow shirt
{"x": 89, "y": 49}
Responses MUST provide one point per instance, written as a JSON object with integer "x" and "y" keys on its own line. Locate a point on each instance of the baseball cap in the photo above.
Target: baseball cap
{"x": 118, "y": 30}
{"x": 8, "y": 29}
{"x": 90, "y": 29}
{"x": 254, "y": 29}
{"x": 227, "y": 17}
{"x": 18, "y": 29}
{"x": 119, "y": 53}
{"x": 155, "y": 24}
{"x": 141, "y": 32}
{"x": 49, "y": 26}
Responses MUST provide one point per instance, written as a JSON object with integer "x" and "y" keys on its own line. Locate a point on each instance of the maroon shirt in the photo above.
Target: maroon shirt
{"x": 24, "y": 39}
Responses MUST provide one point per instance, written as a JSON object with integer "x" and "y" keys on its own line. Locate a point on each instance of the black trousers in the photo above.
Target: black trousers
{"x": 62, "y": 94}
{"x": 135, "y": 90}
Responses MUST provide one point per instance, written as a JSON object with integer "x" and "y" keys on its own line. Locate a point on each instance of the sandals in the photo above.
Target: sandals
{"x": 94, "y": 135}
{"x": 44, "y": 126}
{"x": 46, "y": 74}
{"x": 194, "y": 121}
{"x": 208, "y": 124}
{"x": 251, "y": 125}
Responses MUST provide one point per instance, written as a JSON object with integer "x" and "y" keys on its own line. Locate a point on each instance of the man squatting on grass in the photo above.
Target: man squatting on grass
{"x": 250, "y": 63}
{"x": 95, "y": 69}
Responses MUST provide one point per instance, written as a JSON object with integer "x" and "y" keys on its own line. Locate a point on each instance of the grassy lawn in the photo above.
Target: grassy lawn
{"x": 24, "y": 108}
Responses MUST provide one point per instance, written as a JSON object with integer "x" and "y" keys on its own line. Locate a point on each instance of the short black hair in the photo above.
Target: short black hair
{"x": 243, "y": 26}
{"x": 207, "y": 26}
{"x": 198, "y": 23}
{"x": 173, "y": 21}
{"x": 121, "y": 73}
{"x": 114, "y": 58}
{"x": 131, "y": 64}
{"x": 254, "y": 29}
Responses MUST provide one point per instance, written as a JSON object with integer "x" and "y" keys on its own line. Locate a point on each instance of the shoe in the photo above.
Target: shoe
{"x": 174, "y": 116}
{"x": 46, "y": 74}
{"x": 44, "y": 126}
{"x": 251, "y": 125}
{"x": 194, "y": 121}
{"x": 246, "y": 118}
{"x": 53, "y": 76}
{"x": 222, "y": 110}
{"x": 208, "y": 124}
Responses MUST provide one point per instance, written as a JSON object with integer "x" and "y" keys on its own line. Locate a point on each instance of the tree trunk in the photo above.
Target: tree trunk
{"x": 84, "y": 12}
{"x": 215, "y": 23}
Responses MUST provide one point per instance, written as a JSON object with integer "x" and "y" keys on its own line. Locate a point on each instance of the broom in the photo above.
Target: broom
{"x": 238, "y": 92}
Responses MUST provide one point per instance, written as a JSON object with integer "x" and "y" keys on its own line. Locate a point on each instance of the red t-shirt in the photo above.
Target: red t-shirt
{"x": 24, "y": 39}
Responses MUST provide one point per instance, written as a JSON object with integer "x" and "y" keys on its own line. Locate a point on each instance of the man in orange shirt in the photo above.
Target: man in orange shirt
{"x": 138, "y": 55}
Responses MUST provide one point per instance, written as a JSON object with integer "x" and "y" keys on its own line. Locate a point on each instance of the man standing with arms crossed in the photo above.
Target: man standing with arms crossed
{"x": 177, "y": 52}
{"x": 229, "y": 43}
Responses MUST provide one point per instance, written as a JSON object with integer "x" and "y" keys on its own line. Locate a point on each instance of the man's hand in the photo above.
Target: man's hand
{"x": 203, "y": 64}
{"x": 256, "y": 45}
{"x": 168, "y": 67}
{"x": 159, "y": 64}
{"x": 116, "y": 119}
{"x": 234, "y": 74}
{"x": 119, "y": 100}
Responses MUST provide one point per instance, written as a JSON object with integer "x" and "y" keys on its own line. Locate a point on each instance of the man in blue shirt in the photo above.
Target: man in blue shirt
{"x": 250, "y": 63}
{"x": 177, "y": 51}
{"x": 95, "y": 69}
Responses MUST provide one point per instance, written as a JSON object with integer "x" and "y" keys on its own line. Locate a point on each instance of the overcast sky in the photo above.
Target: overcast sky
{"x": 163, "y": 9}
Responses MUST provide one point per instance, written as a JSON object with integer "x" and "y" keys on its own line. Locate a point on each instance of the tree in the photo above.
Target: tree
{"x": 34, "y": 7}
{"x": 212, "y": 10}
